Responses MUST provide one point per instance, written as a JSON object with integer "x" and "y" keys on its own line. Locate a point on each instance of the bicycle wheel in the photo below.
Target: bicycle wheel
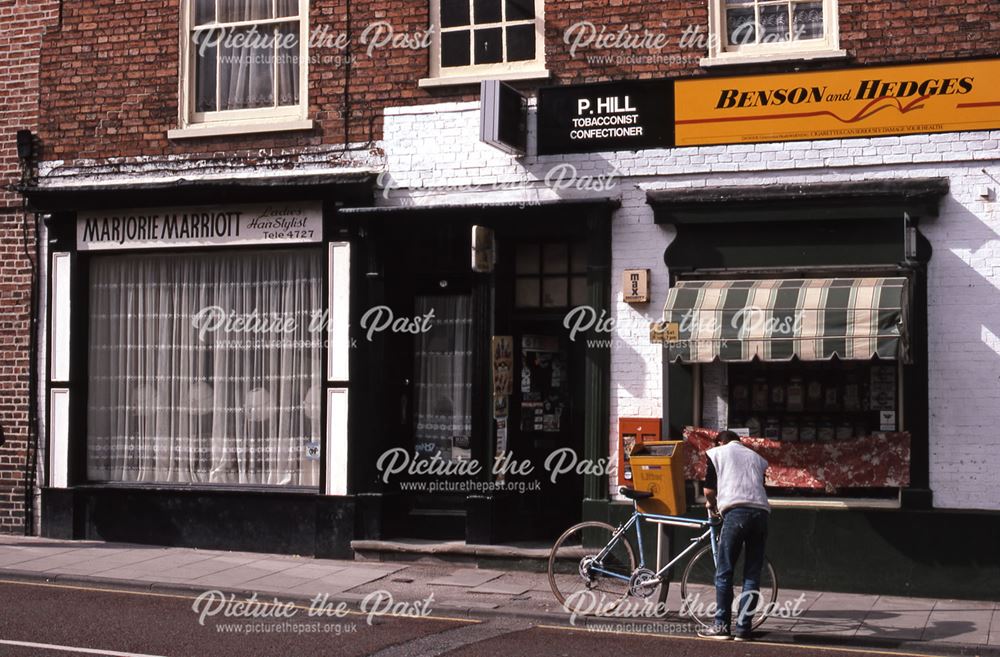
{"x": 581, "y": 583}
{"x": 698, "y": 589}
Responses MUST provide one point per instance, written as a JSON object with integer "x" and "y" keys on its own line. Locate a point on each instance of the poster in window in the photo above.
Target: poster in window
{"x": 883, "y": 388}
{"x": 544, "y": 384}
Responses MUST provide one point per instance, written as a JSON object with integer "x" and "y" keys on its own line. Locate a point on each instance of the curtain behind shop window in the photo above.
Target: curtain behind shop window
{"x": 177, "y": 400}
{"x": 443, "y": 371}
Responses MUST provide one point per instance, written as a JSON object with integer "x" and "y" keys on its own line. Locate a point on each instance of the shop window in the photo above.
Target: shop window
{"x": 486, "y": 37}
{"x": 203, "y": 368}
{"x": 550, "y": 275}
{"x": 772, "y": 28}
{"x": 830, "y": 427}
{"x": 812, "y": 402}
{"x": 244, "y": 61}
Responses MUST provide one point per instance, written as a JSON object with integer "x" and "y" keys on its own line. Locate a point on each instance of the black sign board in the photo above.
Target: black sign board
{"x": 611, "y": 116}
{"x": 503, "y": 117}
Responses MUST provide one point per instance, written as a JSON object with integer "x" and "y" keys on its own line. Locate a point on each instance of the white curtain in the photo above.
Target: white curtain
{"x": 171, "y": 400}
{"x": 250, "y": 76}
{"x": 444, "y": 377}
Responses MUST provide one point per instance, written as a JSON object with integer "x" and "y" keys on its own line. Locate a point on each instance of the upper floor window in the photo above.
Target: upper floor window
{"x": 244, "y": 61}
{"x": 754, "y": 29}
{"x": 487, "y": 37}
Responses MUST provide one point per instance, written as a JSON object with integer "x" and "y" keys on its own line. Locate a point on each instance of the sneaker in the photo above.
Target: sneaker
{"x": 742, "y": 636}
{"x": 715, "y": 632}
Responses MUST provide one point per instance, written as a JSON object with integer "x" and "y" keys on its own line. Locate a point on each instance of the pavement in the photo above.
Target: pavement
{"x": 921, "y": 625}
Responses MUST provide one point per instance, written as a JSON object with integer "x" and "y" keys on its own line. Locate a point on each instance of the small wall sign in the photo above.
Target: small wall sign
{"x": 635, "y": 285}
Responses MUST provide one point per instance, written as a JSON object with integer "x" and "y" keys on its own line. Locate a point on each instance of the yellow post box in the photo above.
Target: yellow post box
{"x": 658, "y": 467}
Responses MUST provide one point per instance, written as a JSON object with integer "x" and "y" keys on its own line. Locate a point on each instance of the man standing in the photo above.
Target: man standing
{"x": 734, "y": 488}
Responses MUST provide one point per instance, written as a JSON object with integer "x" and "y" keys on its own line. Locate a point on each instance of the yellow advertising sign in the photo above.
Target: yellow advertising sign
{"x": 859, "y": 102}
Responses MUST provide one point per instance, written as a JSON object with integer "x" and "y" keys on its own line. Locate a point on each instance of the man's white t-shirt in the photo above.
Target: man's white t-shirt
{"x": 739, "y": 474}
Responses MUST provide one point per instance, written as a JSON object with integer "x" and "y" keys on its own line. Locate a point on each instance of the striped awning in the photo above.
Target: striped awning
{"x": 776, "y": 320}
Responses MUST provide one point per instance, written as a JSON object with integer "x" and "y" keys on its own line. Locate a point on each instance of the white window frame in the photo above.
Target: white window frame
{"x": 720, "y": 53}
{"x": 532, "y": 69}
{"x": 267, "y": 119}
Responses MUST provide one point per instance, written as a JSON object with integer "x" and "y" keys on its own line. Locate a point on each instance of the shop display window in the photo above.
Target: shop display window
{"x": 205, "y": 368}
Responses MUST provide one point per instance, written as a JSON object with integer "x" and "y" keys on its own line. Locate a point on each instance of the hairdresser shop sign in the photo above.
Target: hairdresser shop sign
{"x": 207, "y": 226}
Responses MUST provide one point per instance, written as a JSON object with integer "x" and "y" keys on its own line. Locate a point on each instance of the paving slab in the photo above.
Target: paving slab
{"x": 896, "y": 625}
{"x": 958, "y": 626}
{"x": 234, "y": 577}
{"x": 467, "y": 578}
{"x": 892, "y": 603}
{"x": 995, "y": 629}
{"x": 502, "y": 587}
{"x": 966, "y": 605}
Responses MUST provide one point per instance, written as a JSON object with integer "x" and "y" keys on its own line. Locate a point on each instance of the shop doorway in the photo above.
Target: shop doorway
{"x": 431, "y": 368}
{"x": 546, "y": 429}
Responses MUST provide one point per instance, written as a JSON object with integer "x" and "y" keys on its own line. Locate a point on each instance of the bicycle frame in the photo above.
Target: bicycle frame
{"x": 676, "y": 521}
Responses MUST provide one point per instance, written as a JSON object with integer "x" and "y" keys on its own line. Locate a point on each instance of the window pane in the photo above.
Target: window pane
{"x": 774, "y": 23}
{"x": 487, "y": 11}
{"x": 555, "y": 259}
{"x": 808, "y": 20}
{"x": 520, "y": 43}
{"x": 526, "y": 293}
{"x": 287, "y": 8}
{"x": 555, "y": 293}
{"x": 489, "y": 46}
{"x": 246, "y": 74}
{"x": 205, "y": 56}
{"x": 740, "y": 28}
{"x": 578, "y": 264}
{"x": 526, "y": 259}
{"x": 231, "y": 11}
{"x": 520, "y": 10}
{"x": 578, "y": 291}
{"x": 204, "y": 11}
{"x": 443, "y": 375}
{"x": 455, "y": 48}
{"x": 454, "y": 13}
{"x": 288, "y": 64}
{"x": 173, "y": 401}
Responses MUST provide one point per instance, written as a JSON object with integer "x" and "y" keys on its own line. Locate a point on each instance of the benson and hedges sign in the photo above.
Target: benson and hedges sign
{"x": 858, "y": 102}
{"x": 160, "y": 228}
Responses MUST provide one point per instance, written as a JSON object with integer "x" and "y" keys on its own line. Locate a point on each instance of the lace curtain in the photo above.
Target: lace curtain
{"x": 175, "y": 397}
{"x": 247, "y": 66}
{"x": 443, "y": 375}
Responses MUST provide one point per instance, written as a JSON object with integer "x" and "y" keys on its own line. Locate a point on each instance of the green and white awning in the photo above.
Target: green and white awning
{"x": 776, "y": 320}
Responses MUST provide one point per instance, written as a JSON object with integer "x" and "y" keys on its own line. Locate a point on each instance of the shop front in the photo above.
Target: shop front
{"x": 195, "y": 389}
{"x": 797, "y": 317}
{"x": 794, "y": 318}
{"x": 468, "y": 373}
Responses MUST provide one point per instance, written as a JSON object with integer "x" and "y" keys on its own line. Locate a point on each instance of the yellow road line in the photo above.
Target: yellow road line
{"x": 866, "y": 651}
{"x": 150, "y": 594}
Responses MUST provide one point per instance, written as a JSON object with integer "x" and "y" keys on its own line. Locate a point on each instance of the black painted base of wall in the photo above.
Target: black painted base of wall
{"x": 912, "y": 552}
{"x": 286, "y": 523}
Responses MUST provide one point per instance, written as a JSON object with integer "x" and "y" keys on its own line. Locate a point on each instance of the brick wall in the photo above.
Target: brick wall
{"x": 110, "y": 72}
{"x": 21, "y": 26}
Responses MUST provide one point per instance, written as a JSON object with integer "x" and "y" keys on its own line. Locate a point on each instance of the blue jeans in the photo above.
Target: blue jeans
{"x": 742, "y": 527}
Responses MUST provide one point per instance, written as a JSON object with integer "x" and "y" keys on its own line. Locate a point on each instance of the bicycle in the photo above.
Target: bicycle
{"x": 599, "y": 558}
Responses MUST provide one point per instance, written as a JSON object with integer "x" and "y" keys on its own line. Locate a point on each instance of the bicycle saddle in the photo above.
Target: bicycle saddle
{"x": 634, "y": 494}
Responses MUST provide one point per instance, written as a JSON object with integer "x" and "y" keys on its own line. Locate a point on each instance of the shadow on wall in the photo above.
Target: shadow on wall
{"x": 963, "y": 332}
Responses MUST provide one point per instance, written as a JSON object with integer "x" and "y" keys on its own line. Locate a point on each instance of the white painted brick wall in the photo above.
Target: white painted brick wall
{"x": 435, "y": 157}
